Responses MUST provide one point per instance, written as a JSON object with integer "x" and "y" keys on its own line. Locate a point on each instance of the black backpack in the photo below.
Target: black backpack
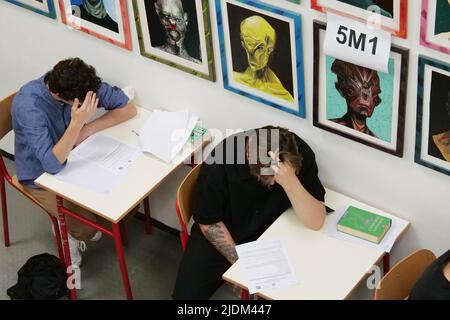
{"x": 42, "y": 277}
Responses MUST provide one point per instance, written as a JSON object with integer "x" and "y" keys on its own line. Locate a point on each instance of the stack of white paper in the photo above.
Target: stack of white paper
{"x": 165, "y": 133}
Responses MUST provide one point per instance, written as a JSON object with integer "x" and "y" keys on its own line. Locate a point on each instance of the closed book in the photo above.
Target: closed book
{"x": 364, "y": 224}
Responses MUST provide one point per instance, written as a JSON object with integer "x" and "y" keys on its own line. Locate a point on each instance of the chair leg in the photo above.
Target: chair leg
{"x": 148, "y": 220}
{"x": 58, "y": 239}
{"x": 123, "y": 233}
{"x": 4, "y": 211}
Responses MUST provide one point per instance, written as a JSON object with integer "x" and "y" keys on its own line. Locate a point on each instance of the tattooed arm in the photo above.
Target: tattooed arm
{"x": 220, "y": 238}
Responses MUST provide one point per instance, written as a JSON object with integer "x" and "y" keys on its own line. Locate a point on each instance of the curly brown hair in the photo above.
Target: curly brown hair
{"x": 73, "y": 78}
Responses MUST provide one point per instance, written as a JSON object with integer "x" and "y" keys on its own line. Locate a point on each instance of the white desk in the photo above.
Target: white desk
{"x": 146, "y": 174}
{"x": 327, "y": 268}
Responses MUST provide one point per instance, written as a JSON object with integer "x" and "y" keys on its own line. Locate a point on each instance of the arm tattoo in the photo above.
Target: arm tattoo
{"x": 216, "y": 235}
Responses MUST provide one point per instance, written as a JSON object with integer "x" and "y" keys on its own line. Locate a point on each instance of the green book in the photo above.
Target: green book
{"x": 197, "y": 133}
{"x": 364, "y": 224}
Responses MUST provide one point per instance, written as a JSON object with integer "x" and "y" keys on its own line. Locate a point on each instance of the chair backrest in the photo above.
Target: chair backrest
{"x": 185, "y": 195}
{"x": 399, "y": 281}
{"x": 5, "y": 115}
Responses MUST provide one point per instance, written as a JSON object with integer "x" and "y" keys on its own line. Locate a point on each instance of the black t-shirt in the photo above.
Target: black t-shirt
{"x": 433, "y": 285}
{"x": 227, "y": 191}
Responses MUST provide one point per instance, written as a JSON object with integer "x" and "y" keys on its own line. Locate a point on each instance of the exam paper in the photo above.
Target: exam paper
{"x": 99, "y": 164}
{"x": 386, "y": 244}
{"x": 108, "y": 153}
{"x": 266, "y": 265}
{"x": 89, "y": 176}
{"x": 165, "y": 133}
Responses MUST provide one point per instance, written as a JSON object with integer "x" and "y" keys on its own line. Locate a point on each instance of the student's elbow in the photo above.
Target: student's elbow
{"x": 52, "y": 166}
{"x": 50, "y": 163}
{"x": 319, "y": 220}
{"x": 316, "y": 226}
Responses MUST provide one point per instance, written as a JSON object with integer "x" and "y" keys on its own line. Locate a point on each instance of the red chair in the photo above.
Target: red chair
{"x": 184, "y": 206}
{"x": 5, "y": 128}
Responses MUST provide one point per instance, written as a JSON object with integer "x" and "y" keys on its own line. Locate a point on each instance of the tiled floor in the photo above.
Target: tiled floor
{"x": 152, "y": 260}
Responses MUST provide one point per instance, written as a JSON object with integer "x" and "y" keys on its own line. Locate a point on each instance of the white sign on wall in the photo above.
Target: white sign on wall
{"x": 357, "y": 43}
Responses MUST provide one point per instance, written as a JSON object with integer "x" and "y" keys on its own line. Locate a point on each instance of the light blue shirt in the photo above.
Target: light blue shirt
{"x": 39, "y": 122}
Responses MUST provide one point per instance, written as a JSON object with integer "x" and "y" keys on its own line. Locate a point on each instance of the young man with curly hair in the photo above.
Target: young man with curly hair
{"x": 51, "y": 115}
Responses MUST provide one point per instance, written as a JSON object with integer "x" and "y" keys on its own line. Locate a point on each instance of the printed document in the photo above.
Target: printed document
{"x": 266, "y": 265}
{"x": 99, "y": 164}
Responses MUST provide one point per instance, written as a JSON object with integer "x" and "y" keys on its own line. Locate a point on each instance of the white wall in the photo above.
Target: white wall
{"x": 32, "y": 44}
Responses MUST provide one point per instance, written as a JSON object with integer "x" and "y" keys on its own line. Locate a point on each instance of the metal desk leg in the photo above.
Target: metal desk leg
{"x": 245, "y": 295}
{"x": 65, "y": 241}
{"x": 123, "y": 266}
{"x": 148, "y": 221}
{"x": 386, "y": 263}
{"x": 123, "y": 232}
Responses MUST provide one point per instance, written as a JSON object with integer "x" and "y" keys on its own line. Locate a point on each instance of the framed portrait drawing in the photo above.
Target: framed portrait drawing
{"x": 359, "y": 103}
{"x": 435, "y": 30}
{"x": 261, "y": 52}
{"x": 104, "y": 19}
{"x": 392, "y": 15}
{"x": 177, "y": 33}
{"x": 433, "y": 115}
{"x": 44, "y": 7}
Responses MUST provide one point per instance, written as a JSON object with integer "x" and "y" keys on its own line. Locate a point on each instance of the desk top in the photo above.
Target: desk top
{"x": 327, "y": 268}
{"x": 146, "y": 173}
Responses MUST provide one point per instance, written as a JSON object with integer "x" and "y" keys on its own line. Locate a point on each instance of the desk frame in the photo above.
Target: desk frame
{"x": 117, "y": 233}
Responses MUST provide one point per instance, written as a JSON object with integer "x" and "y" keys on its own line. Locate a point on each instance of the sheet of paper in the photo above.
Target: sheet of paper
{"x": 89, "y": 176}
{"x": 165, "y": 133}
{"x": 185, "y": 136}
{"x": 99, "y": 164}
{"x": 107, "y": 153}
{"x": 266, "y": 265}
{"x": 386, "y": 244}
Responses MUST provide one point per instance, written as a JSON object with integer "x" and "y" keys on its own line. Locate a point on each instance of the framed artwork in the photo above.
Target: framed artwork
{"x": 359, "y": 103}
{"x": 104, "y": 19}
{"x": 261, "y": 52}
{"x": 177, "y": 33}
{"x": 433, "y": 115}
{"x": 44, "y": 7}
{"x": 435, "y": 30}
{"x": 392, "y": 15}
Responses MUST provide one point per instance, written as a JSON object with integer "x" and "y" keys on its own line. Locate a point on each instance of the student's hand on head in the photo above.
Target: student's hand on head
{"x": 284, "y": 171}
{"x": 81, "y": 115}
